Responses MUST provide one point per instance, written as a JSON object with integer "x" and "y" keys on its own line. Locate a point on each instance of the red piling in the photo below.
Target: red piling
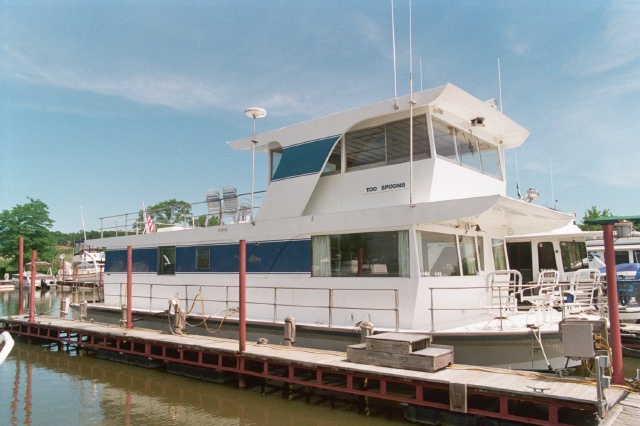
{"x": 21, "y": 277}
{"x": 32, "y": 288}
{"x": 242, "y": 267}
{"x": 612, "y": 298}
{"x": 129, "y": 287}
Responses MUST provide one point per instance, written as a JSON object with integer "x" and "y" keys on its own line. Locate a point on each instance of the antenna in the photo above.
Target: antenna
{"x": 421, "y": 73}
{"x": 499, "y": 85}
{"x": 553, "y": 199}
{"x": 411, "y": 102}
{"x": 254, "y": 112}
{"x": 393, "y": 38}
{"x": 84, "y": 230}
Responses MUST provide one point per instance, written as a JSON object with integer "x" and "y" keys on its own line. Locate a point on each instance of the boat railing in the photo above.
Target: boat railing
{"x": 500, "y": 305}
{"x": 198, "y": 217}
{"x": 276, "y": 299}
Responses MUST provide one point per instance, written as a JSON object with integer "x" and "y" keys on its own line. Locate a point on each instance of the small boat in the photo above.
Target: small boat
{"x": 43, "y": 280}
{"x": 6, "y": 284}
{"x": 85, "y": 270}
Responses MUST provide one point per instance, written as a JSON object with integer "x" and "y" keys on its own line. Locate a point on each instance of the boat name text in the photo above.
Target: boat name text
{"x": 384, "y": 187}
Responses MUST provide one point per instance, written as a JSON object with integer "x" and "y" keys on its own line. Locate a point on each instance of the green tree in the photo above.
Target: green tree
{"x": 167, "y": 213}
{"x": 593, "y": 213}
{"x": 32, "y": 222}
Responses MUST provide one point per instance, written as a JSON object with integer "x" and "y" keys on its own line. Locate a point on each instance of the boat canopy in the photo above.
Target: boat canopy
{"x": 455, "y": 105}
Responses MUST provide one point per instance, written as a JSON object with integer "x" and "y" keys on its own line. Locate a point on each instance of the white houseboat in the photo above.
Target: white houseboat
{"x": 392, "y": 215}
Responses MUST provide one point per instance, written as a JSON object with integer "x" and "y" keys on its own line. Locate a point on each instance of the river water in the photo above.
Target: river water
{"x": 45, "y": 384}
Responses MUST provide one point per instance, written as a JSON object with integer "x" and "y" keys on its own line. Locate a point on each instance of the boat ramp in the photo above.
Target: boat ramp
{"x": 449, "y": 393}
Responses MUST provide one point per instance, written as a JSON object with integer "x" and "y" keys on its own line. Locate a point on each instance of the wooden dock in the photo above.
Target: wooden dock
{"x": 459, "y": 390}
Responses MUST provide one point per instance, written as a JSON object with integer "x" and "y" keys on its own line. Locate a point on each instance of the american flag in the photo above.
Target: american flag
{"x": 149, "y": 223}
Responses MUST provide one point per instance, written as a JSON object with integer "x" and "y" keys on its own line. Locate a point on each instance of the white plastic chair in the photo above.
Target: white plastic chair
{"x": 547, "y": 293}
{"x": 585, "y": 288}
{"x": 230, "y": 202}
{"x": 214, "y": 205}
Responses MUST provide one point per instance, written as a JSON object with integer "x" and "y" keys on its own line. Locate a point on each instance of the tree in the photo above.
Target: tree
{"x": 593, "y": 213}
{"x": 32, "y": 222}
{"x": 167, "y": 213}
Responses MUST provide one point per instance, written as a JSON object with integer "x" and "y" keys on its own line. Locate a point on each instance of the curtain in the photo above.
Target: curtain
{"x": 403, "y": 253}
{"x": 321, "y": 262}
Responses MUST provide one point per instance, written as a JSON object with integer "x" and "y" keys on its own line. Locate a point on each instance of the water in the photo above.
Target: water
{"x": 44, "y": 384}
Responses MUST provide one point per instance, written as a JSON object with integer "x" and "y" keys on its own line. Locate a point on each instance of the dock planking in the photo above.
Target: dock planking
{"x": 503, "y": 384}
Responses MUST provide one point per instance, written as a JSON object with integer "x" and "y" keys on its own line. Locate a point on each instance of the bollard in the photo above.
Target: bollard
{"x": 64, "y": 307}
{"x": 83, "y": 310}
{"x": 289, "y": 331}
{"x": 123, "y": 315}
{"x": 366, "y": 329}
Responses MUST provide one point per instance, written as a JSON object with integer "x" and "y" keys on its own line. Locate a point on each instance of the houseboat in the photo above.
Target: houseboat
{"x": 388, "y": 217}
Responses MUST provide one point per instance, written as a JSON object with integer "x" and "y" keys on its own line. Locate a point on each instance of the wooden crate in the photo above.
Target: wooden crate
{"x": 398, "y": 343}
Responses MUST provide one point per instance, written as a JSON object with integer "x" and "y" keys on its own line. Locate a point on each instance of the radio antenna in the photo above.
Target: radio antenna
{"x": 393, "y": 38}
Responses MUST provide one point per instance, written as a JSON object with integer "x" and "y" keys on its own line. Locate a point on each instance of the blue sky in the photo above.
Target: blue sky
{"x": 108, "y": 104}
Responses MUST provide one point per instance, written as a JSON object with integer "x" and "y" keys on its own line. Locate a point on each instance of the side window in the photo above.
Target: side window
{"x": 167, "y": 260}
{"x": 546, "y": 256}
{"x": 203, "y": 258}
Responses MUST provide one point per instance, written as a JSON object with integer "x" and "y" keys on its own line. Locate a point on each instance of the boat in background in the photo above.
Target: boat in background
{"x": 85, "y": 269}
{"x": 43, "y": 281}
{"x": 389, "y": 217}
{"x": 6, "y": 284}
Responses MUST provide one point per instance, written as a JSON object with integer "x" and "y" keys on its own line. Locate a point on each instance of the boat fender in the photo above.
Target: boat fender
{"x": 289, "y": 331}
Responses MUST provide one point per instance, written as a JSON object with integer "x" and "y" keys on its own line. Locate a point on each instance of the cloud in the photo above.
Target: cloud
{"x": 617, "y": 46}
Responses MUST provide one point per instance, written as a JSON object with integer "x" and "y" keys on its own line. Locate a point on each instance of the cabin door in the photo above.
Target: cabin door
{"x": 521, "y": 259}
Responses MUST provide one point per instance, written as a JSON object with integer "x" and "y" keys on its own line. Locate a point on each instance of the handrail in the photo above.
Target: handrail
{"x": 329, "y": 303}
{"x": 127, "y": 223}
{"x": 8, "y": 345}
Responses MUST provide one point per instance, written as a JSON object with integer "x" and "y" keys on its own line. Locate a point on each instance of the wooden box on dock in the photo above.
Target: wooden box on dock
{"x": 398, "y": 343}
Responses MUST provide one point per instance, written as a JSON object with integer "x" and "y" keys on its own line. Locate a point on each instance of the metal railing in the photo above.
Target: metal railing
{"x": 503, "y": 304}
{"x": 131, "y": 224}
{"x": 190, "y": 293}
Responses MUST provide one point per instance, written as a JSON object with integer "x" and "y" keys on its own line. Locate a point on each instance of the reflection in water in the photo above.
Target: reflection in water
{"x": 52, "y": 384}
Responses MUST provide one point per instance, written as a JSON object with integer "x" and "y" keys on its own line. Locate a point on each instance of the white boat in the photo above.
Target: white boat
{"x": 6, "y": 284}
{"x": 85, "y": 269}
{"x": 356, "y": 229}
{"x": 44, "y": 280}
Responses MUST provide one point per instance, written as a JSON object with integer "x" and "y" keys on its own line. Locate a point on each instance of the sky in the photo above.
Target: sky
{"x": 105, "y": 105}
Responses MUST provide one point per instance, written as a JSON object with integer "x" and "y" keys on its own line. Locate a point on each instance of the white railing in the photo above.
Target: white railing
{"x": 274, "y": 299}
{"x": 498, "y": 304}
{"x": 130, "y": 224}
{"x": 8, "y": 345}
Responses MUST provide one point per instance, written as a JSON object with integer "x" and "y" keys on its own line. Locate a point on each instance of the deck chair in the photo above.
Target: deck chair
{"x": 502, "y": 287}
{"x": 584, "y": 290}
{"x": 547, "y": 293}
{"x": 244, "y": 211}
{"x": 230, "y": 203}
{"x": 214, "y": 205}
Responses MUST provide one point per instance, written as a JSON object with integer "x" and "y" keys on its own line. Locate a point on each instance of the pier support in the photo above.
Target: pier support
{"x": 129, "y": 287}
{"x": 32, "y": 288}
{"x": 612, "y": 298}
{"x": 21, "y": 277}
{"x": 242, "y": 297}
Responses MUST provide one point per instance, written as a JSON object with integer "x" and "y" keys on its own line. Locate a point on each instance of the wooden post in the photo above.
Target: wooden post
{"x": 32, "y": 288}
{"x": 129, "y": 287}
{"x": 612, "y": 298}
{"x": 21, "y": 277}
{"x": 242, "y": 268}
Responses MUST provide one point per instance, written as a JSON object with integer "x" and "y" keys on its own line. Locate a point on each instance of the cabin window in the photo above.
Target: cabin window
{"x": 371, "y": 254}
{"x": 276, "y": 156}
{"x": 203, "y": 258}
{"x": 387, "y": 144}
{"x": 438, "y": 255}
{"x": 335, "y": 160}
{"x": 166, "y": 260}
{"x": 621, "y": 257}
{"x": 547, "y": 256}
{"x": 499, "y": 255}
{"x": 466, "y": 149}
{"x": 574, "y": 255}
